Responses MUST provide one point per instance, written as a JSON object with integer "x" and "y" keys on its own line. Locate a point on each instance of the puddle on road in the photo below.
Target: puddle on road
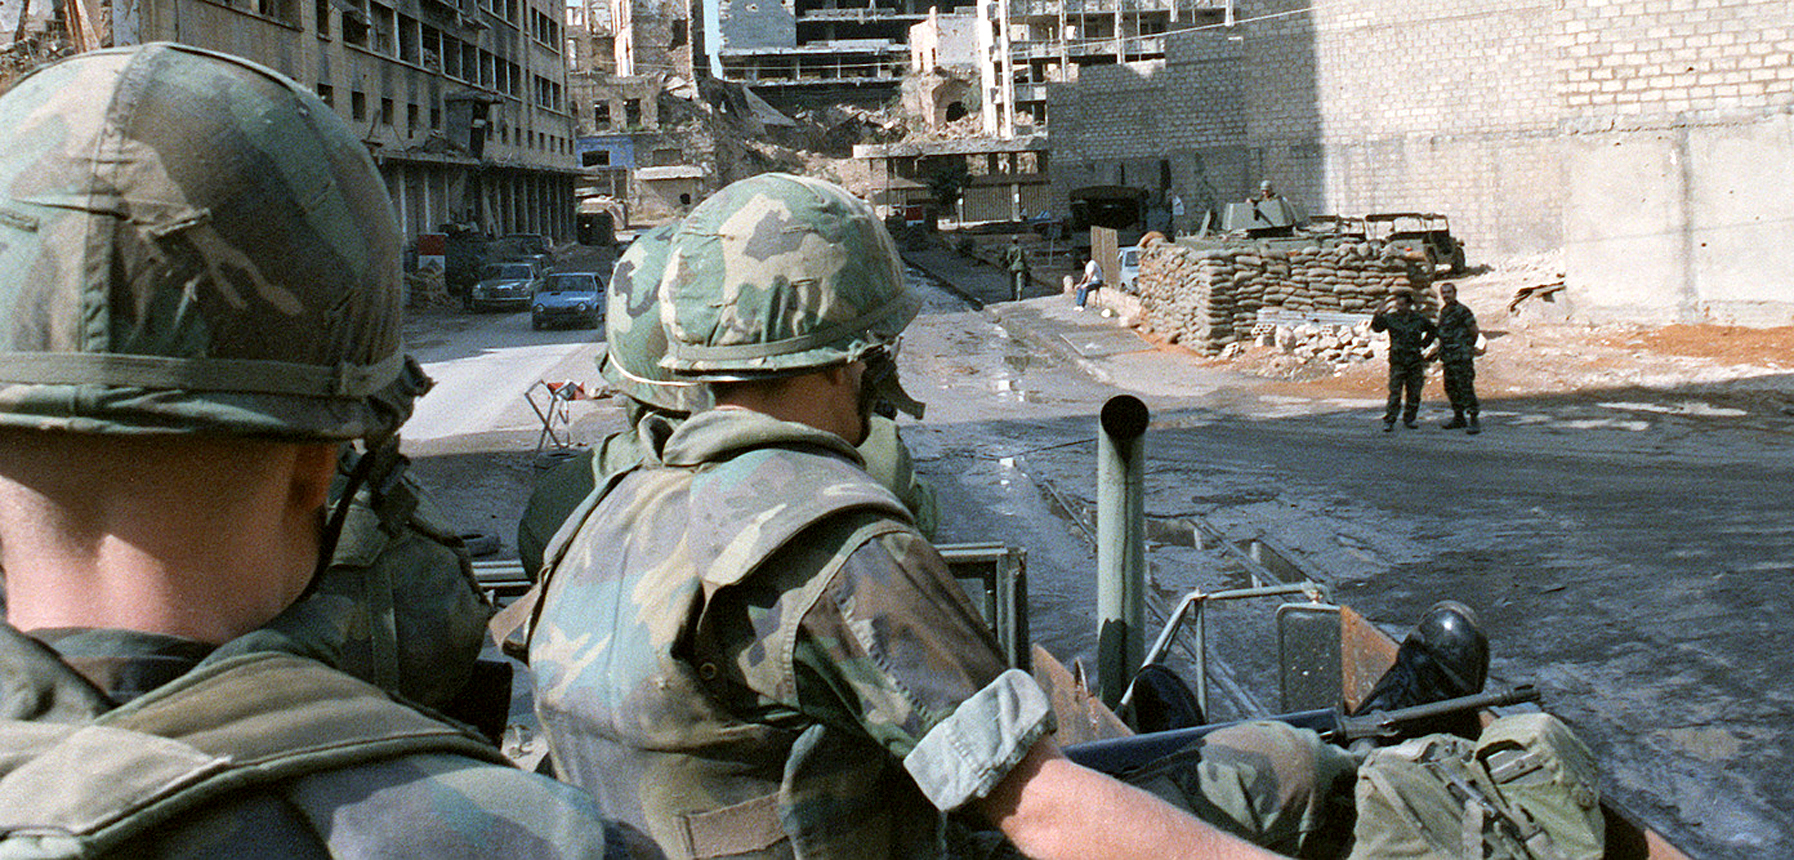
{"x": 1685, "y": 407}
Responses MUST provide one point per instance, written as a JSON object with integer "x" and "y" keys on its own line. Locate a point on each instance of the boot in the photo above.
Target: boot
{"x": 1411, "y": 424}
{"x": 1457, "y": 420}
{"x": 1389, "y": 425}
{"x": 1475, "y": 428}
{"x": 1445, "y": 656}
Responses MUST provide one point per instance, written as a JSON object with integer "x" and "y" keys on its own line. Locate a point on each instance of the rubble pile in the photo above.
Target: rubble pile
{"x": 1207, "y": 298}
{"x": 1313, "y": 341}
{"x": 426, "y": 288}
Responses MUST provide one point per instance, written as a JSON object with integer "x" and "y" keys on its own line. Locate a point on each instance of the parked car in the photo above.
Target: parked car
{"x": 505, "y": 285}
{"x": 569, "y": 297}
{"x": 1129, "y": 259}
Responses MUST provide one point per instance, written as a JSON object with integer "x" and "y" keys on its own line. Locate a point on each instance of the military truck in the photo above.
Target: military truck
{"x": 1427, "y": 234}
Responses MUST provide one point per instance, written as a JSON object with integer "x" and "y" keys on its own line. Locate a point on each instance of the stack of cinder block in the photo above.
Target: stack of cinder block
{"x": 1206, "y": 299}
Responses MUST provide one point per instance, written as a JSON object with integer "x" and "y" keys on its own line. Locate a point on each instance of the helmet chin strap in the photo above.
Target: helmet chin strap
{"x": 363, "y": 466}
{"x": 880, "y": 384}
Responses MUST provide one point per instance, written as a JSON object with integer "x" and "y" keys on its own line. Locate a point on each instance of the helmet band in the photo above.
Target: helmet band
{"x": 244, "y": 376}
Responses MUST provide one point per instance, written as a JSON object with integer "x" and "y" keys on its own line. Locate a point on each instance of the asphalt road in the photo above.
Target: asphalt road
{"x": 1639, "y": 577}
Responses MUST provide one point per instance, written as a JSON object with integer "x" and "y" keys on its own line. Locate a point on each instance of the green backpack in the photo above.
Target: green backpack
{"x": 1525, "y": 789}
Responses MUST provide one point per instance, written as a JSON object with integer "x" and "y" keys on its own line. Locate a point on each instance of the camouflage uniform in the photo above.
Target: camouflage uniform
{"x": 1017, "y": 259}
{"x": 749, "y": 649}
{"x": 1457, "y": 355}
{"x": 194, "y": 246}
{"x": 1409, "y": 333}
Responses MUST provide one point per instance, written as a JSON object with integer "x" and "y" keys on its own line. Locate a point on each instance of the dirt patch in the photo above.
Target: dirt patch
{"x": 1532, "y": 352}
{"x": 1770, "y": 347}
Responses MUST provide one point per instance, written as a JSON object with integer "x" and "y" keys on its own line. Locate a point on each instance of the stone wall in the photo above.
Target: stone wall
{"x": 1206, "y": 298}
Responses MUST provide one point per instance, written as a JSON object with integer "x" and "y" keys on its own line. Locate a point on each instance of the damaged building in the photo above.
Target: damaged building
{"x": 815, "y": 53}
{"x": 462, "y": 107}
{"x": 644, "y": 157}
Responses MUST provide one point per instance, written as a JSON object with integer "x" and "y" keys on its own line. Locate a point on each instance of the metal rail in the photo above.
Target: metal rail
{"x": 1192, "y": 610}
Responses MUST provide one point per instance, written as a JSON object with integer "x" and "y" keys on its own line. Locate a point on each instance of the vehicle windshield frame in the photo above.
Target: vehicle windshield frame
{"x": 504, "y": 272}
{"x": 589, "y": 283}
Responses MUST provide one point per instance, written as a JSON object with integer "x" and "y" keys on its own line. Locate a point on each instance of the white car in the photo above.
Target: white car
{"x": 1129, "y": 260}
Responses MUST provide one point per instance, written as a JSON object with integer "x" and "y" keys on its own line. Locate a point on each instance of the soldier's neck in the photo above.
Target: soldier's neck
{"x": 186, "y": 539}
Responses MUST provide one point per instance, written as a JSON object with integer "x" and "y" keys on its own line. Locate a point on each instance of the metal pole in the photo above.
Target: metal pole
{"x": 1120, "y": 544}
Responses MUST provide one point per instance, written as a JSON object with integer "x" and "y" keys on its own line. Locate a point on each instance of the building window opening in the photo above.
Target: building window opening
{"x": 685, "y": 199}
{"x": 386, "y": 111}
{"x": 955, "y": 110}
{"x": 678, "y": 34}
{"x": 601, "y": 115}
{"x": 322, "y": 18}
{"x": 358, "y": 105}
{"x": 327, "y": 94}
{"x": 632, "y": 113}
{"x": 355, "y": 30}
{"x": 595, "y": 158}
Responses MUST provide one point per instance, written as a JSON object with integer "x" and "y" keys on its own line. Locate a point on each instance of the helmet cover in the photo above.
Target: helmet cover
{"x": 634, "y": 342}
{"x": 192, "y": 243}
{"x": 780, "y": 274}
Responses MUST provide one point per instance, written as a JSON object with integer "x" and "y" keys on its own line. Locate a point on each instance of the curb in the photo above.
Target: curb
{"x": 977, "y": 304}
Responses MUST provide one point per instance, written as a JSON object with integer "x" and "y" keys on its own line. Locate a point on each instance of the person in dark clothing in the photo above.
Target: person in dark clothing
{"x": 1409, "y": 334}
{"x": 1016, "y": 257}
{"x": 1457, "y": 354}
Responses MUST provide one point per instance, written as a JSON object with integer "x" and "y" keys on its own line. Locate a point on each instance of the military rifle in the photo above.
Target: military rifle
{"x": 1117, "y": 756}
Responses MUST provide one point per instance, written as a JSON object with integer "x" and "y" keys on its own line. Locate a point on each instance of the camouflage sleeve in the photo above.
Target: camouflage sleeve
{"x": 890, "y": 646}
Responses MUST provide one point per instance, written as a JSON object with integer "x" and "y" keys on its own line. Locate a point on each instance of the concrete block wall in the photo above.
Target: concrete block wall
{"x": 1132, "y": 124}
{"x": 1650, "y": 140}
{"x": 1390, "y": 106}
{"x": 1678, "y": 140}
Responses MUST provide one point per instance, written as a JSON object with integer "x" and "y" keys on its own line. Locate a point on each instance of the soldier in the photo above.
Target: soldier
{"x": 1409, "y": 333}
{"x": 656, "y": 401}
{"x": 750, "y": 651}
{"x": 1016, "y": 257}
{"x": 200, "y": 272}
{"x": 1457, "y": 355}
{"x": 634, "y": 344}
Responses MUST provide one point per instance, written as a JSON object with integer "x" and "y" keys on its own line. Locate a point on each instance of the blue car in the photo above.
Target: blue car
{"x": 576, "y": 297}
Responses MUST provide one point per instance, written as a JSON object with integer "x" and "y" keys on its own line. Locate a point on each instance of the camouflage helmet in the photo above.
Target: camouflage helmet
{"x": 634, "y": 342}
{"x": 779, "y": 274}
{"x": 191, "y": 243}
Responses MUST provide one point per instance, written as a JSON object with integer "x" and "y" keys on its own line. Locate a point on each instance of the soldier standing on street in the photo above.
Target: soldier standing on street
{"x": 201, "y": 282}
{"x": 1457, "y": 355}
{"x": 749, "y": 650}
{"x": 1409, "y": 333}
{"x": 1017, "y": 258}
